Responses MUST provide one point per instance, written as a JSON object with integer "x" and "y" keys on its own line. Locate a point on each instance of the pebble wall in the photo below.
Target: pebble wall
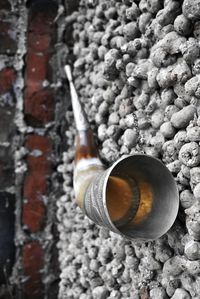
{"x": 136, "y": 69}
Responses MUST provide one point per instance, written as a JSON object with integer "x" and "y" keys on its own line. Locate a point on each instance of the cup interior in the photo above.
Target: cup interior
{"x": 155, "y": 199}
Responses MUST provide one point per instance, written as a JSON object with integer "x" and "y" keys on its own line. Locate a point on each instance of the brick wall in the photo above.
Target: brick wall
{"x": 39, "y": 107}
{"x": 29, "y": 148}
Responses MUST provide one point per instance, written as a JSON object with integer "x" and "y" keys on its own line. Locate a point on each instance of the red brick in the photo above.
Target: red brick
{"x": 37, "y": 70}
{"x": 42, "y": 163}
{"x": 42, "y": 143}
{"x": 42, "y": 16}
{"x": 39, "y": 43}
{"x": 39, "y": 107}
{"x": 33, "y": 263}
{"x": 7, "y": 78}
{"x": 35, "y": 186}
{"x": 34, "y": 215}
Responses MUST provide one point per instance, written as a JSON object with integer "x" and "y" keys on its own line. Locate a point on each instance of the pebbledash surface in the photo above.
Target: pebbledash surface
{"x": 136, "y": 68}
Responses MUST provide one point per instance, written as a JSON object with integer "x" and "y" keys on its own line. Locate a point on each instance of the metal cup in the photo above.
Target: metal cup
{"x": 152, "y": 204}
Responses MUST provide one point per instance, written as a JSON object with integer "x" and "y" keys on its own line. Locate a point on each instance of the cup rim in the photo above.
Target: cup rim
{"x": 110, "y": 169}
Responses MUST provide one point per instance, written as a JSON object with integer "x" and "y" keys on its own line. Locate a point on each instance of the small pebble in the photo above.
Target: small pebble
{"x": 191, "y": 9}
{"x": 181, "y": 294}
{"x": 193, "y": 134}
{"x": 192, "y": 250}
{"x": 186, "y": 199}
{"x": 130, "y": 138}
{"x": 182, "y": 25}
{"x": 182, "y": 118}
{"x": 100, "y": 292}
{"x": 167, "y": 130}
{"x": 190, "y": 154}
{"x": 197, "y": 191}
{"x": 158, "y": 293}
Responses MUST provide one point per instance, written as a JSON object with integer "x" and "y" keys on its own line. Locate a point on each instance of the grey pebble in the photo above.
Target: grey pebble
{"x": 196, "y": 67}
{"x": 167, "y": 15}
{"x": 151, "y": 78}
{"x": 170, "y": 110}
{"x": 125, "y": 107}
{"x": 172, "y": 285}
{"x": 167, "y": 97}
{"x": 193, "y": 267}
{"x": 167, "y": 129}
{"x": 180, "y": 103}
{"x": 141, "y": 69}
{"x": 174, "y": 266}
{"x": 182, "y": 118}
{"x": 164, "y": 77}
{"x": 181, "y": 72}
{"x": 197, "y": 191}
{"x": 180, "y": 294}
{"x": 157, "y": 141}
{"x": 192, "y": 86}
{"x": 185, "y": 171}
{"x": 110, "y": 59}
{"x": 193, "y": 227}
{"x": 190, "y": 154}
{"x": 113, "y": 118}
{"x": 193, "y": 133}
{"x": 133, "y": 12}
{"x": 130, "y": 30}
{"x": 192, "y": 250}
{"x": 174, "y": 166}
{"x": 130, "y": 68}
{"x": 109, "y": 95}
{"x": 190, "y": 50}
{"x": 157, "y": 118}
{"x": 114, "y": 295}
{"x": 186, "y": 199}
{"x": 180, "y": 138}
{"x": 129, "y": 120}
{"x": 144, "y": 21}
{"x": 191, "y": 9}
{"x": 103, "y": 109}
{"x": 160, "y": 58}
{"x": 102, "y": 132}
{"x": 158, "y": 293}
{"x": 192, "y": 221}
{"x": 172, "y": 42}
{"x": 195, "y": 176}
{"x": 182, "y": 25}
{"x": 130, "y": 138}
{"x": 100, "y": 292}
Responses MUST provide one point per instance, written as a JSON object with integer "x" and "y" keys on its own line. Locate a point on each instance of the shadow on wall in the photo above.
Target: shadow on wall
{"x": 7, "y": 248}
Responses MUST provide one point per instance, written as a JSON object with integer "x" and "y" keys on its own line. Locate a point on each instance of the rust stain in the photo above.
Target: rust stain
{"x": 85, "y": 145}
